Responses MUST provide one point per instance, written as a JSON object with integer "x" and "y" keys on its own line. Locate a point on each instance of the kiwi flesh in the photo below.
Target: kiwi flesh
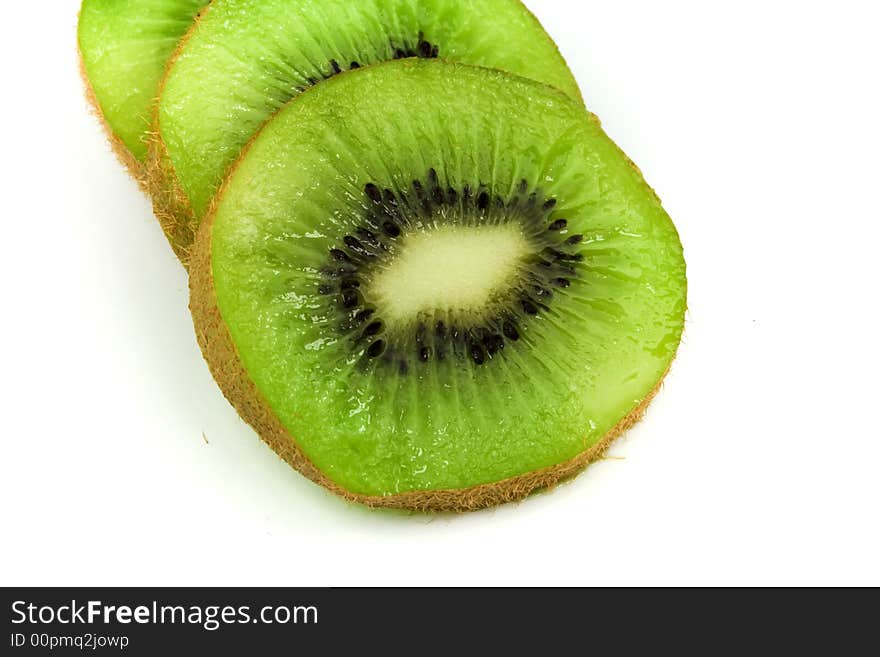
{"x": 244, "y": 59}
{"x": 124, "y": 47}
{"x": 435, "y": 286}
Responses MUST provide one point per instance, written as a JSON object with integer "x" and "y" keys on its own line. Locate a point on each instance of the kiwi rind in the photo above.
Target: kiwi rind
{"x": 135, "y": 168}
{"x": 227, "y": 367}
{"x": 171, "y": 204}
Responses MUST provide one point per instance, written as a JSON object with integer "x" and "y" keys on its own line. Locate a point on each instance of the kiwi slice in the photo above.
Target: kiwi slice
{"x": 244, "y": 59}
{"x": 436, "y": 286}
{"x": 124, "y": 46}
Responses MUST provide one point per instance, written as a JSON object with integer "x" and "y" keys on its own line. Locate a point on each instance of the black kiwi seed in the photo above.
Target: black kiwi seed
{"x": 559, "y": 224}
{"x": 483, "y": 200}
{"x": 349, "y": 299}
{"x": 390, "y": 207}
{"x": 344, "y": 271}
{"x": 364, "y": 315}
{"x": 391, "y": 229}
{"x": 373, "y": 193}
{"x": 574, "y": 239}
{"x": 339, "y": 256}
{"x": 355, "y": 245}
{"x": 425, "y": 354}
{"x": 373, "y": 329}
{"x": 367, "y": 236}
{"x": 424, "y": 49}
{"x": 437, "y": 194}
{"x": 565, "y": 257}
{"x": 529, "y": 308}
{"x": 336, "y": 69}
{"x": 493, "y": 344}
{"x": 419, "y": 189}
{"x": 376, "y": 349}
{"x": 477, "y": 353}
{"x": 562, "y": 282}
{"x": 372, "y": 220}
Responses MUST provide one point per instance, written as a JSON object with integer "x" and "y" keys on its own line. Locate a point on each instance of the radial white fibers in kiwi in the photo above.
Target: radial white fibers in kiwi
{"x": 124, "y": 46}
{"x": 244, "y": 59}
{"x": 436, "y": 286}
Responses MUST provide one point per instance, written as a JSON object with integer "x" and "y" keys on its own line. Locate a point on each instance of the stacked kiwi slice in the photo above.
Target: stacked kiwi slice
{"x": 418, "y": 266}
{"x": 124, "y": 48}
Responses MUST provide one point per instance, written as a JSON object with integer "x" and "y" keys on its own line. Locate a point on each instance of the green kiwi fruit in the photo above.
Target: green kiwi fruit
{"x": 435, "y": 286}
{"x": 244, "y": 59}
{"x": 124, "y": 46}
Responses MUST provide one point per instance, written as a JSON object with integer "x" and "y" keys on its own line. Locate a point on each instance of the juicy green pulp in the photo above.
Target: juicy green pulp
{"x": 247, "y": 57}
{"x": 125, "y": 45}
{"x": 578, "y": 371}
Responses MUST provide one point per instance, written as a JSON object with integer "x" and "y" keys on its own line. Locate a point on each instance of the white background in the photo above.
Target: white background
{"x": 757, "y": 123}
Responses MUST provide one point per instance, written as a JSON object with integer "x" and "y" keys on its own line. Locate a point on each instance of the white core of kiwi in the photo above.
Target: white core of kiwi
{"x": 451, "y": 268}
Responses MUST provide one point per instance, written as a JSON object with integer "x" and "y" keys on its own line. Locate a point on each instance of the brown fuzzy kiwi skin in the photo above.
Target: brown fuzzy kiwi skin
{"x": 228, "y": 370}
{"x": 171, "y": 204}
{"x": 135, "y": 167}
